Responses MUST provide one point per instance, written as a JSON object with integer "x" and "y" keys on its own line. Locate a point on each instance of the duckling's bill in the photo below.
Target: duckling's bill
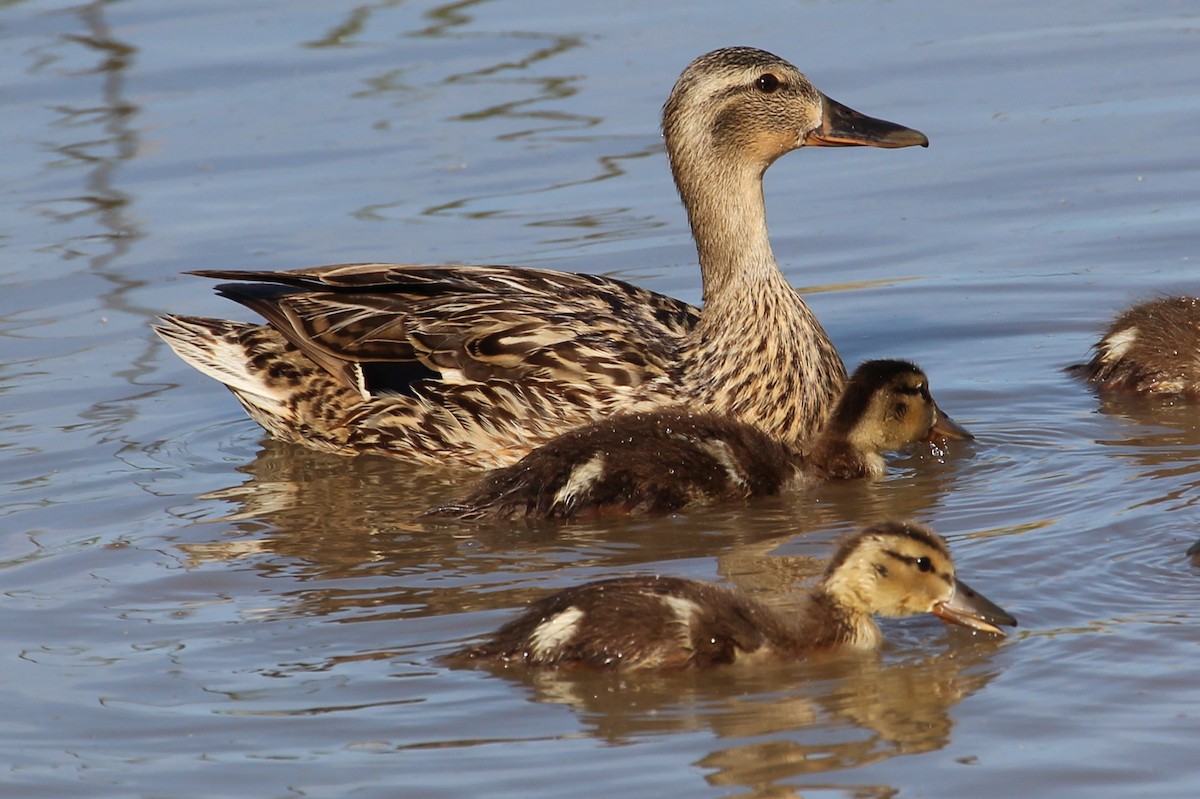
{"x": 947, "y": 429}
{"x": 842, "y": 126}
{"x": 968, "y": 607}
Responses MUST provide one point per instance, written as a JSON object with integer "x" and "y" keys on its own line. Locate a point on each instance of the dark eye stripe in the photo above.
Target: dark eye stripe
{"x": 914, "y": 562}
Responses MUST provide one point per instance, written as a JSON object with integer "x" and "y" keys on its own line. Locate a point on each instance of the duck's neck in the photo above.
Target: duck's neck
{"x": 758, "y": 351}
{"x": 830, "y": 622}
{"x": 834, "y": 457}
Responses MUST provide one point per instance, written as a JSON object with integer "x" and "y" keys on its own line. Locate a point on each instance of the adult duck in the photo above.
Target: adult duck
{"x": 671, "y": 623}
{"x": 669, "y": 459}
{"x": 476, "y": 365}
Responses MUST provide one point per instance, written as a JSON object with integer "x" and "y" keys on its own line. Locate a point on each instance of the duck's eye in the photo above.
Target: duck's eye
{"x": 924, "y": 564}
{"x": 767, "y": 82}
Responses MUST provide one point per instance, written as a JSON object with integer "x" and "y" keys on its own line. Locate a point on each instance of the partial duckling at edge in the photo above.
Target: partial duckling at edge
{"x": 668, "y": 623}
{"x": 667, "y": 460}
{"x": 1152, "y": 348}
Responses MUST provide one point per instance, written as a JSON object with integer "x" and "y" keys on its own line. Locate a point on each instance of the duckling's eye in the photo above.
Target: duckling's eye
{"x": 924, "y": 564}
{"x": 767, "y": 82}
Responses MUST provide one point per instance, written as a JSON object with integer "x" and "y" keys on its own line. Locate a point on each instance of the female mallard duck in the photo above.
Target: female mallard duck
{"x": 1153, "y": 348}
{"x": 665, "y": 460}
{"x": 892, "y": 569}
{"x": 476, "y": 365}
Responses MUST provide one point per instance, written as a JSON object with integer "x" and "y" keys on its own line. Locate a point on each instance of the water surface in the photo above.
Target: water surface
{"x": 193, "y": 610}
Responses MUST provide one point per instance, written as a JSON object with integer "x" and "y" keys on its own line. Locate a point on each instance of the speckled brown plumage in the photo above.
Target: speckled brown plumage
{"x": 475, "y": 365}
{"x": 1152, "y": 348}
{"x": 671, "y": 623}
{"x": 672, "y": 458}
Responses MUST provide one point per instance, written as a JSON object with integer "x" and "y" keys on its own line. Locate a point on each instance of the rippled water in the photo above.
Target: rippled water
{"x": 191, "y": 610}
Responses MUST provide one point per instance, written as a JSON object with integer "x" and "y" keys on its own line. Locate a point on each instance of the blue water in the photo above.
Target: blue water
{"x": 192, "y": 610}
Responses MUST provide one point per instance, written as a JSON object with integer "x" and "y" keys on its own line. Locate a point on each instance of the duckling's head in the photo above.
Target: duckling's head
{"x": 905, "y": 569}
{"x": 886, "y": 405}
{"x": 744, "y": 105}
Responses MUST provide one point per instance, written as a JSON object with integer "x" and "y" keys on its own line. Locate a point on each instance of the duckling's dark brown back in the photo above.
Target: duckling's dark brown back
{"x": 660, "y": 623}
{"x": 1153, "y": 348}
{"x": 633, "y": 463}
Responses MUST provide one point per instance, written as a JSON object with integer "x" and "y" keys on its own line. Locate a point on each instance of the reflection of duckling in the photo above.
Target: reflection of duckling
{"x": 666, "y": 460}
{"x": 892, "y": 569}
{"x": 1153, "y": 348}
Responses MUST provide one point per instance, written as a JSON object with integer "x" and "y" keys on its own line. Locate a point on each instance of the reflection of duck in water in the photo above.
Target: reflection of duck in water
{"x": 892, "y": 569}
{"x": 1153, "y": 348}
{"x": 475, "y": 366}
{"x": 666, "y": 460}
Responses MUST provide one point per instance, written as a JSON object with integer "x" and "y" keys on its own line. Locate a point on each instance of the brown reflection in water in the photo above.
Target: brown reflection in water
{"x": 1162, "y": 437}
{"x": 533, "y": 109}
{"x": 103, "y": 138}
{"x": 839, "y": 711}
{"x": 328, "y": 518}
{"x": 344, "y": 531}
{"x": 99, "y": 153}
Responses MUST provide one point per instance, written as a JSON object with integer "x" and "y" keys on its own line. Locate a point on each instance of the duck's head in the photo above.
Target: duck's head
{"x": 905, "y": 569}
{"x": 886, "y": 405}
{"x": 746, "y": 106}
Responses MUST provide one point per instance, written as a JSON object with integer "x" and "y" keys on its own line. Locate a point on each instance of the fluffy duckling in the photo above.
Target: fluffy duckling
{"x": 666, "y": 460}
{"x": 477, "y": 365}
{"x": 1153, "y": 348}
{"x": 665, "y": 623}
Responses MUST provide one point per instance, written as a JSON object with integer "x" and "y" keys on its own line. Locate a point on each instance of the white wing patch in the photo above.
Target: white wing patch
{"x": 1119, "y": 343}
{"x": 721, "y": 452}
{"x": 582, "y": 478}
{"x": 555, "y": 631}
{"x": 684, "y": 610}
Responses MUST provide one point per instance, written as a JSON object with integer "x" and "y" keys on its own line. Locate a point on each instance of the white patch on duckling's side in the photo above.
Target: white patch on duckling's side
{"x": 581, "y": 480}
{"x": 1119, "y": 343}
{"x": 554, "y": 632}
{"x": 684, "y": 610}
{"x": 720, "y": 452}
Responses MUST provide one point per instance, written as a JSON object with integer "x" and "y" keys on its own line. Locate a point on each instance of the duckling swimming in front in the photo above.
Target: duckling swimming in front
{"x": 667, "y": 460}
{"x": 667, "y": 623}
{"x": 1152, "y": 348}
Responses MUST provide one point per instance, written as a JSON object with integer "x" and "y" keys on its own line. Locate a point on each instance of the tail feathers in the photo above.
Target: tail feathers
{"x": 221, "y": 349}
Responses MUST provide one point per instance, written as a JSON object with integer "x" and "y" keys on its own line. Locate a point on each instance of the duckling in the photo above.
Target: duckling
{"x": 670, "y": 459}
{"x": 476, "y": 365}
{"x": 1152, "y": 348}
{"x": 671, "y": 623}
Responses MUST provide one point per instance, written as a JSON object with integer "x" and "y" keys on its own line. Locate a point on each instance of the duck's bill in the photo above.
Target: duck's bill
{"x": 968, "y": 607}
{"x": 842, "y": 126}
{"x": 946, "y": 428}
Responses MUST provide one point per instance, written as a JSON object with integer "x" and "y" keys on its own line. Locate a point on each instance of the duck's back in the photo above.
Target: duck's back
{"x": 657, "y": 461}
{"x": 659, "y": 623}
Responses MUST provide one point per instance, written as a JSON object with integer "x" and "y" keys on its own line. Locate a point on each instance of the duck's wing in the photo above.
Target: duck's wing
{"x": 380, "y": 328}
